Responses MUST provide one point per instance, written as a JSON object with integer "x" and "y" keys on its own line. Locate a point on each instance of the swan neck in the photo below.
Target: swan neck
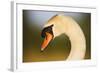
{"x": 78, "y": 43}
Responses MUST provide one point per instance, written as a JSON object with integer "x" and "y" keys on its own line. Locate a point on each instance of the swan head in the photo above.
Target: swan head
{"x": 51, "y": 30}
{"x": 47, "y": 34}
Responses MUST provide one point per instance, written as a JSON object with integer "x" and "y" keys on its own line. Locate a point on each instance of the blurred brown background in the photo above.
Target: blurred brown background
{"x": 59, "y": 48}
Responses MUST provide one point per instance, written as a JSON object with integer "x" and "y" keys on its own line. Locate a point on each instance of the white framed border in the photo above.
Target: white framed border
{"x": 17, "y": 48}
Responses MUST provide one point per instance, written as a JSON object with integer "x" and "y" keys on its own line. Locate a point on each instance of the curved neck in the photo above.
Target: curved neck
{"x": 78, "y": 43}
{"x": 67, "y": 25}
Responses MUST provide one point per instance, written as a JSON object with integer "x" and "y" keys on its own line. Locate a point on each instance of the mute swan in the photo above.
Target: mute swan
{"x": 60, "y": 24}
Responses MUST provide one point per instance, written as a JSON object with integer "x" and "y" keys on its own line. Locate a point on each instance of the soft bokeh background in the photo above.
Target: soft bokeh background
{"x": 59, "y": 48}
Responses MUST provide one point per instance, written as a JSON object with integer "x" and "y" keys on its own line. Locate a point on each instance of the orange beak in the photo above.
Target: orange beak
{"x": 46, "y": 41}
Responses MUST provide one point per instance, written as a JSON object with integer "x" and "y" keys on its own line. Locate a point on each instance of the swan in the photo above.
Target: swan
{"x": 61, "y": 24}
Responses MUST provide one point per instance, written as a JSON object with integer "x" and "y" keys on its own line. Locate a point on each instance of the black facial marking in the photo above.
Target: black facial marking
{"x": 47, "y": 29}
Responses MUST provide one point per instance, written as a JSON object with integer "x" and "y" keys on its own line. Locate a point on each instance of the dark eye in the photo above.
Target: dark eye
{"x": 43, "y": 33}
{"x": 47, "y": 29}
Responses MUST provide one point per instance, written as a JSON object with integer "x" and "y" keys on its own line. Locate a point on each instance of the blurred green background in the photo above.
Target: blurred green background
{"x": 59, "y": 48}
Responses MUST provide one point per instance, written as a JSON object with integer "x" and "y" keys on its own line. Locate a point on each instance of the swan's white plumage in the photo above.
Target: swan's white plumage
{"x": 68, "y": 26}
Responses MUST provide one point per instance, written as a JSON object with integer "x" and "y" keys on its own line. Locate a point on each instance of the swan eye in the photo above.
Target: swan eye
{"x": 47, "y": 29}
